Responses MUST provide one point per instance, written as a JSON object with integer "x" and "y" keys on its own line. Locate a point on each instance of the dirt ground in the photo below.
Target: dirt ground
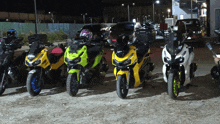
{"x": 199, "y": 104}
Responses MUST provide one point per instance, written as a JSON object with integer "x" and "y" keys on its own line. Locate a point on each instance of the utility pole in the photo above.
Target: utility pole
{"x": 191, "y": 9}
{"x": 35, "y": 16}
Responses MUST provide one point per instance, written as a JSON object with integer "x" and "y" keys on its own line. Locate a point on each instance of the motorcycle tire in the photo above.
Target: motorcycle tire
{"x": 121, "y": 88}
{"x": 2, "y": 89}
{"x": 34, "y": 84}
{"x": 173, "y": 88}
{"x": 72, "y": 85}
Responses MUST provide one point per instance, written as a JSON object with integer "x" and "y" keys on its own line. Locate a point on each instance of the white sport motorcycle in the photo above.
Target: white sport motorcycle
{"x": 178, "y": 69}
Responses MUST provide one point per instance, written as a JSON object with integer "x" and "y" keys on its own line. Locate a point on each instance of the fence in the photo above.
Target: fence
{"x": 68, "y": 28}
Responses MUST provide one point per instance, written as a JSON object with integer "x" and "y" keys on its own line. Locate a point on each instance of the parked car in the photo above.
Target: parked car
{"x": 99, "y": 31}
{"x": 194, "y": 25}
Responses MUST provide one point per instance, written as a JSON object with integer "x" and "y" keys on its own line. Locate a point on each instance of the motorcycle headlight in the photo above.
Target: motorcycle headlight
{"x": 126, "y": 62}
{"x": 115, "y": 62}
{"x": 30, "y": 57}
{"x": 167, "y": 59}
{"x": 77, "y": 60}
{"x": 180, "y": 59}
{"x": 37, "y": 62}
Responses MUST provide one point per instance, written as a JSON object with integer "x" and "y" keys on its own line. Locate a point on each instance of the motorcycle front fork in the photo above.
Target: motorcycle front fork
{"x": 4, "y": 75}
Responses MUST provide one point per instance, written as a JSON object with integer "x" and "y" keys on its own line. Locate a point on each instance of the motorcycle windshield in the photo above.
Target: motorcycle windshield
{"x": 74, "y": 46}
{"x": 174, "y": 45}
{"x": 35, "y": 48}
{"x": 121, "y": 49}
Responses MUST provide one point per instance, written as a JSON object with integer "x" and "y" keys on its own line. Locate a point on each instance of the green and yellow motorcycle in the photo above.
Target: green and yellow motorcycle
{"x": 85, "y": 64}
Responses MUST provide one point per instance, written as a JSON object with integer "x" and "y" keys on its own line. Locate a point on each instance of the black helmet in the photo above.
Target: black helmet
{"x": 11, "y": 33}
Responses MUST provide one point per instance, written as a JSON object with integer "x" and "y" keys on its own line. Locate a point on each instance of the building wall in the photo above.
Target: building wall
{"x": 214, "y": 4}
{"x": 179, "y": 11}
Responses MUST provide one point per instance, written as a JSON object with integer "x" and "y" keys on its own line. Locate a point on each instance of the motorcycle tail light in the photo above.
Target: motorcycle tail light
{"x": 114, "y": 40}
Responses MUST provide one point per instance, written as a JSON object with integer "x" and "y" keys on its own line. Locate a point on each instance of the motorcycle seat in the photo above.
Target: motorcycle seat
{"x": 93, "y": 51}
{"x": 57, "y": 51}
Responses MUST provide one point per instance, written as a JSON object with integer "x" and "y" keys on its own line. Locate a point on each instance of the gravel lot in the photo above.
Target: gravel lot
{"x": 101, "y": 105}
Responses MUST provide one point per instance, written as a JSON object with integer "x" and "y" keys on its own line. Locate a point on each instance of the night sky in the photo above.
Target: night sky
{"x": 64, "y": 7}
{"x": 94, "y": 8}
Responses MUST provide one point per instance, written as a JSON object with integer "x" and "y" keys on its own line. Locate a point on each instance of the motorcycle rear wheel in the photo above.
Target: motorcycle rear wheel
{"x": 72, "y": 85}
{"x": 173, "y": 85}
{"x": 121, "y": 88}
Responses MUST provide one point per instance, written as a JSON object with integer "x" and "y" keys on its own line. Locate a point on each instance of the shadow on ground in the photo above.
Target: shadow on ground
{"x": 203, "y": 87}
{"x": 155, "y": 86}
{"x": 108, "y": 85}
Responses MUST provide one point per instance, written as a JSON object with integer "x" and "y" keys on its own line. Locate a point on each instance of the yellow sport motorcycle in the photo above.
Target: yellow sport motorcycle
{"x": 43, "y": 67}
{"x": 132, "y": 64}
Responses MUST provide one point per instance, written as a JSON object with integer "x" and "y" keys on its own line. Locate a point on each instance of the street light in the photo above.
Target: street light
{"x": 52, "y": 16}
{"x": 168, "y": 10}
{"x": 128, "y": 10}
{"x": 157, "y": 2}
{"x": 84, "y": 17}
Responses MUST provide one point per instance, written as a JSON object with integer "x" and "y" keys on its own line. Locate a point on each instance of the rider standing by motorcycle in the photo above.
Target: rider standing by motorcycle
{"x": 11, "y": 35}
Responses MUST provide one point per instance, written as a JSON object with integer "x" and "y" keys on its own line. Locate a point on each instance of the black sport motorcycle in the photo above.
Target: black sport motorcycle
{"x": 11, "y": 69}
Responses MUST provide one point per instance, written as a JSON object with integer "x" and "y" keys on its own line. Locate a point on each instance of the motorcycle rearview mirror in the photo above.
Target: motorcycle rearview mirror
{"x": 109, "y": 41}
{"x": 210, "y": 48}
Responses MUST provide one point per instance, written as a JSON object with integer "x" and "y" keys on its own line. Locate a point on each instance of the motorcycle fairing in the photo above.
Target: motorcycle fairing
{"x": 77, "y": 71}
{"x": 58, "y": 64}
{"x": 82, "y": 53}
{"x": 133, "y": 57}
{"x": 40, "y": 60}
{"x": 184, "y": 53}
{"x": 98, "y": 59}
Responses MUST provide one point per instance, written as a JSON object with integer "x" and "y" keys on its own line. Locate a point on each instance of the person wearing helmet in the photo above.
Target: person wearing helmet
{"x": 12, "y": 33}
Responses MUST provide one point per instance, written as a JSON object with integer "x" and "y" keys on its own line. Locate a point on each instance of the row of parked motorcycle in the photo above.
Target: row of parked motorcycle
{"x": 86, "y": 64}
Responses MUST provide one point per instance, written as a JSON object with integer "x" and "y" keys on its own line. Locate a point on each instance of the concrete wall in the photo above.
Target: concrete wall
{"x": 214, "y": 4}
{"x": 68, "y": 28}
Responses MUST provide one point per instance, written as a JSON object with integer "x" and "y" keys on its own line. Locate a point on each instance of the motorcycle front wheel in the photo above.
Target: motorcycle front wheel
{"x": 121, "y": 88}
{"x": 72, "y": 85}
{"x": 2, "y": 80}
{"x": 34, "y": 84}
{"x": 173, "y": 85}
